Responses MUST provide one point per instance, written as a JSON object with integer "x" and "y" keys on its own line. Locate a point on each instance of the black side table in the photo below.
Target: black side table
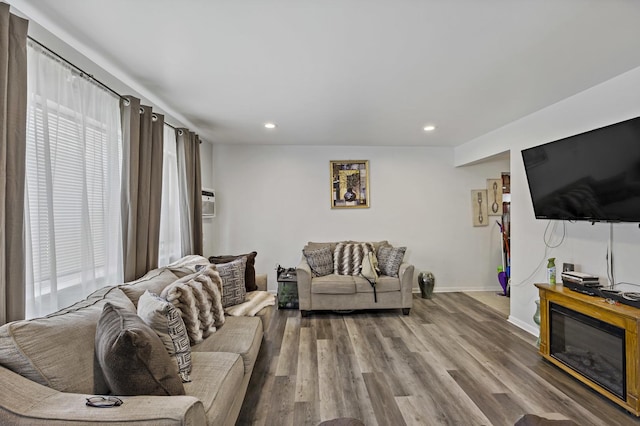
{"x": 287, "y": 289}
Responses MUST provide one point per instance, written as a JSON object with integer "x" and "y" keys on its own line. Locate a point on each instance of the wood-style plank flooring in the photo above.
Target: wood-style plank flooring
{"x": 452, "y": 361}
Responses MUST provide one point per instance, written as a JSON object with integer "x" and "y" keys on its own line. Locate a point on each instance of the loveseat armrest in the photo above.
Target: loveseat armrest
{"x": 406, "y": 284}
{"x": 261, "y": 281}
{"x": 25, "y": 402}
{"x": 303, "y": 273}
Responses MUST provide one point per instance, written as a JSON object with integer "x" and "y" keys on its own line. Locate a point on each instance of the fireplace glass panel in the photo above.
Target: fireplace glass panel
{"x": 589, "y": 346}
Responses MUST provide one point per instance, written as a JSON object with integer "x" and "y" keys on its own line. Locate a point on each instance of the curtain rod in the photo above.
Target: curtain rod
{"x": 84, "y": 73}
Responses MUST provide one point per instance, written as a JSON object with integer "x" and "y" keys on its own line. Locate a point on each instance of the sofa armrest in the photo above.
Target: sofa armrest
{"x": 406, "y": 284}
{"x": 261, "y": 281}
{"x": 29, "y": 403}
{"x": 303, "y": 273}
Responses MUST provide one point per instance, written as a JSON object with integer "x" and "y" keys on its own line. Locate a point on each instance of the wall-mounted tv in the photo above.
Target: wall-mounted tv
{"x": 592, "y": 176}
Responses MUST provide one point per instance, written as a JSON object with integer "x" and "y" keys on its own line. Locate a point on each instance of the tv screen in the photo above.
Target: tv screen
{"x": 593, "y": 176}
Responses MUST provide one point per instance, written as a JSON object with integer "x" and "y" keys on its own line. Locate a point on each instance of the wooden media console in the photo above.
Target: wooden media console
{"x": 625, "y": 319}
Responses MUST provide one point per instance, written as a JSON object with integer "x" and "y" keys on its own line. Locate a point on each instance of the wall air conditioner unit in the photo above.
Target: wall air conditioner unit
{"x": 208, "y": 203}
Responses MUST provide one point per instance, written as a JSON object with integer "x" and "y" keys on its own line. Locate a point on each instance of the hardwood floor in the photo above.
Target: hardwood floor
{"x": 453, "y": 361}
{"x": 493, "y": 299}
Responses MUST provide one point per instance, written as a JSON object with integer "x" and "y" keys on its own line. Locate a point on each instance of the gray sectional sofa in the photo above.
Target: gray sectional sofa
{"x": 330, "y": 290}
{"x": 48, "y": 366}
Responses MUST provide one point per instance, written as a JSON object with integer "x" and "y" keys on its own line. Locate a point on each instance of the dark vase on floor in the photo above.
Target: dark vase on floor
{"x": 426, "y": 281}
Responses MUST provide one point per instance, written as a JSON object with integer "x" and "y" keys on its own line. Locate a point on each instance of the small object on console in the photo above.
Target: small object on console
{"x": 579, "y": 277}
{"x": 633, "y": 296}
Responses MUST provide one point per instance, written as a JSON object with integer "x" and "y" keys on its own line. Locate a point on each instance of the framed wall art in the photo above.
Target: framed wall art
{"x": 494, "y": 193}
{"x": 349, "y": 184}
{"x": 479, "y": 207}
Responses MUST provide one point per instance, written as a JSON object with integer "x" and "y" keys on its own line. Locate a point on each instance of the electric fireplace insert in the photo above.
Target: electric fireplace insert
{"x": 593, "y": 348}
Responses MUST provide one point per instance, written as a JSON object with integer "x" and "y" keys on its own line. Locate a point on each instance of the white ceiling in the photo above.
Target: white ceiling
{"x": 351, "y": 72}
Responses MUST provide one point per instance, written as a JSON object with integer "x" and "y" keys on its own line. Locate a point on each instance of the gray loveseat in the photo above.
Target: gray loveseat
{"x": 48, "y": 367}
{"x": 334, "y": 291}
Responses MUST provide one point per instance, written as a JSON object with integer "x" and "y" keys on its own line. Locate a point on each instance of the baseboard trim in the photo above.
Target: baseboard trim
{"x": 524, "y": 326}
{"x": 461, "y": 289}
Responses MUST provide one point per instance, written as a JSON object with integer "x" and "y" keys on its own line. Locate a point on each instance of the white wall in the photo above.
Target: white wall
{"x": 274, "y": 199}
{"x": 585, "y": 245}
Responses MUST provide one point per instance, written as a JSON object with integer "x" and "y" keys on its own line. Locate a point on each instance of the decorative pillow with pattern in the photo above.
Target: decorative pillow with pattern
{"x": 347, "y": 257}
{"x": 197, "y": 298}
{"x": 320, "y": 261}
{"x": 132, "y": 356}
{"x": 250, "y": 270}
{"x": 233, "y": 288}
{"x": 389, "y": 260}
{"x": 165, "y": 320}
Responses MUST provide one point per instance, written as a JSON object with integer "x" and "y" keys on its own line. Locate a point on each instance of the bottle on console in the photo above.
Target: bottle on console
{"x": 551, "y": 271}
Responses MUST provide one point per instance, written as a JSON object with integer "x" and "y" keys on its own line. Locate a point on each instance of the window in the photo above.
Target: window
{"x": 72, "y": 206}
{"x": 170, "y": 240}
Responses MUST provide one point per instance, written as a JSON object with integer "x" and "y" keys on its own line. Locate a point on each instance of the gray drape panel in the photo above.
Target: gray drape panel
{"x": 190, "y": 191}
{"x": 13, "y": 131}
{"x": 142, "y": 136}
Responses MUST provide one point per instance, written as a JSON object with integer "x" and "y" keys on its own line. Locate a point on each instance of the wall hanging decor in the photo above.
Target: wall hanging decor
{"x": 479, "y": 207}
{"x": 494, "y": 192}
{"x": 349, "y": 184}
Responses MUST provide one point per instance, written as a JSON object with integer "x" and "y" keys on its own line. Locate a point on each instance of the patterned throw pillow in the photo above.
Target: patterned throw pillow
{"x": 165, "y": 320}
{"x": 250, "y": 270}
{"x": 132, "y": 356}
{"x": 197, "y": 297}
{"x": 320, "y": 261}
{"x": 389, "y": 260}
{"x": 347, "y": 257}
{"x": 233, "y": 288}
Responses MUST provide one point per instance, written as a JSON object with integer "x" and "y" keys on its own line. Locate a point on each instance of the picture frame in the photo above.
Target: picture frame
{"x": 349, "y": 184}
{"x": 479, "y": 207}
{"x": 494, "y": 197}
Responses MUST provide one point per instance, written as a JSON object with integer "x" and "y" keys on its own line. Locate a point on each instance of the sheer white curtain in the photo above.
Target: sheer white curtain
{"x": 72, "y": 206}
{"x": 170, "y": 239}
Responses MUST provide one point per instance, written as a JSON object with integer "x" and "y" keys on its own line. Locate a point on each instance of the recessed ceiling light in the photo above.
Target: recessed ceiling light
{"x": 270, "y": 125}
{"x": 429, "y": 128}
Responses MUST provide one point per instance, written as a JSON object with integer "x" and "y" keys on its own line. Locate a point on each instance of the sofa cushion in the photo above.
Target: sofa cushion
{"x": 187, "y": 265}
{"x": 197, "y": 297}
{"x": 132, "y": 356}
{"x": 347, "y": 257}
{"x": 250, "y": 271}
{"x": 155, "y": 281}
{"x": 389, "y": 260}
{"x": 216, "y": 381}
{"x": 378, "y": 244}
{"x": 240, "y": 335}
{"x": 311, "y": 245}
{"x": 333, "y": 284}
{"x": 320, "y": 261}
{"x": 384, "y": 284}
{"x": 232, "y": 276}
{"x": 165, "y": 320}
{"x": 58, "y": 350}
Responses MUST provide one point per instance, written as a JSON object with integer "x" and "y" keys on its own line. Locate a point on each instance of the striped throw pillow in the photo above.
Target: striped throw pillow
{"x": 347, "y": 257}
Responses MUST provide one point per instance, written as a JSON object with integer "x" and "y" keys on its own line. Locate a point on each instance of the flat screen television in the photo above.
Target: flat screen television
{"x": 593, "y": 176}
